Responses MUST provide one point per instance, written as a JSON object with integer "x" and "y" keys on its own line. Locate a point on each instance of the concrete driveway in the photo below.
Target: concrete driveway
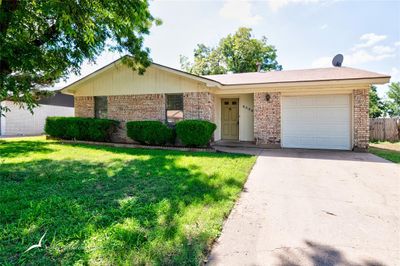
{"x": 315, "y": 208}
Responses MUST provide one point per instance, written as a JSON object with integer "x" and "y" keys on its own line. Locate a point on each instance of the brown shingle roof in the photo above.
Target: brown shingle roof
{"x": 303, "y": 75}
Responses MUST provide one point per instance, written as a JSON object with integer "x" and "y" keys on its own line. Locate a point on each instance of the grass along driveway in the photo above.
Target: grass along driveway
{"x": 387, "y": 150}
{"x": 103, "y": 205}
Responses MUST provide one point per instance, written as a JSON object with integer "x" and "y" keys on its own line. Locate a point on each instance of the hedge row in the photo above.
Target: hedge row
{"x": 192, "y": 133}
{"x": 195, "y": 133}
{"x": 150, "y": 132}
{"x": 79, "y": 128}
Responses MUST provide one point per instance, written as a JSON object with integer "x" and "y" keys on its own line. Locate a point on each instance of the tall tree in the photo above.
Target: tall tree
{"x": 376, "y": 105}
{"x": 236, "y": 53}
{"x": 42, "y": 41}
{"x": 393, "y": 102}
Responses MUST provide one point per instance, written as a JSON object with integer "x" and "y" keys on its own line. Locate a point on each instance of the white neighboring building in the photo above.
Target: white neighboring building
{"x": 21, "y": 122}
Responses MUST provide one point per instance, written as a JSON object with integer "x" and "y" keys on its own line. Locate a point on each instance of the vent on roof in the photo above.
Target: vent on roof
{"x": 337, "y": 60}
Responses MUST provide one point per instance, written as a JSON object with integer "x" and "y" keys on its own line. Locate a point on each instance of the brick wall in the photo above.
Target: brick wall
{"x": 134, "y": 108}
{"x": 198, "y": 105}
{"x": 84, "y": 106}
{"x": 361, "y": 119}
{"x": 267, "y": 118}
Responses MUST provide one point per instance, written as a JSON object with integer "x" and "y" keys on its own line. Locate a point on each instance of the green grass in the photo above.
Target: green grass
{"x": 112, "y": 206}
{"x": 387, "y": 150}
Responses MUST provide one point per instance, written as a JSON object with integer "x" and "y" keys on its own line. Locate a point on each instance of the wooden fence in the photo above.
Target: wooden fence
{"x": 384, "y": 129}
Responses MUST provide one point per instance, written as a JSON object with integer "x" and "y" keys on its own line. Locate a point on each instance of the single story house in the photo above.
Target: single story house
{"x": 19, "y": 121}
{"x": 324, "y": 108}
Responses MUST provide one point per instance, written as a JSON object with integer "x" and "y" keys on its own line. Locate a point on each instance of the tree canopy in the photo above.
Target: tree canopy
{"x": 236, "y": 53}
{"x": 393, "y": 101}
{"x": 44, "y": 41}
{"x": 389, "y": 106}
{"x": 376, "y": 105}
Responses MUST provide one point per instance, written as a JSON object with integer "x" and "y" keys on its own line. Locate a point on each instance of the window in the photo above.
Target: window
{"x": 100, "y": 106}
{"x": 174, "y": 108}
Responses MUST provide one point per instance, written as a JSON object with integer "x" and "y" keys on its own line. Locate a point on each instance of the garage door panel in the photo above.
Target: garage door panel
{"x": 327, "y": 100}
{"x": 319, "y": 143}
{"x": 319, "y": 115}
{"x": 321, "y": 122}
{"x": 297, "y": 113}
{"x": 316, "y": 119}
{"x": 321, "y": 131}
{"x": 317, "y": 101}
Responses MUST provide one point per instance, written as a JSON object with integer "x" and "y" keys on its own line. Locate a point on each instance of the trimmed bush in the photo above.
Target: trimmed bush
{"x": 80, "y": 128}
{"x": 195, "y": 133}
{"x": 150, "y": 132}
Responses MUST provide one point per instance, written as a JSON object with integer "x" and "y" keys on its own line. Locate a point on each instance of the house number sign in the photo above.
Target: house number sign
{"x": 247, "y": 108}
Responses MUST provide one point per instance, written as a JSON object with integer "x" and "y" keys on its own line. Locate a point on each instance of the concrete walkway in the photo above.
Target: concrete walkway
{"x": 315, "y": 208}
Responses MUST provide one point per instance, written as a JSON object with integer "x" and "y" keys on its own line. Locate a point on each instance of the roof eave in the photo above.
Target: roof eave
{"x": 377, "y": 80}
{"x": 207, "y": 81}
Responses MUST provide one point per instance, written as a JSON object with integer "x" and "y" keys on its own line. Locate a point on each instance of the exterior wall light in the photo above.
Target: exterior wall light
{"x": 267, "y": 97}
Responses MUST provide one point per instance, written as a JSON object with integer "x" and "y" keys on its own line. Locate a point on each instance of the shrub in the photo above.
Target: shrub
{"x": 195, "y": 133}
{"x": 79, "y": 128}
{"x": 150, "y": 132}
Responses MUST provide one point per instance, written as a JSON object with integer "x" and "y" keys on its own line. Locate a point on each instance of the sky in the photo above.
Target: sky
{"x": 306, "y": 33}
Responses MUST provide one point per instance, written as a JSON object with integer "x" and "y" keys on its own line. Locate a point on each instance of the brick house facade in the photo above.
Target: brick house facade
{"x": 267, "y": 118}
{"x": 201, "y": 105}
{"x": 124, "y": 108}
{"x": 260, "y": 114}
{"x": 198, "y": 105}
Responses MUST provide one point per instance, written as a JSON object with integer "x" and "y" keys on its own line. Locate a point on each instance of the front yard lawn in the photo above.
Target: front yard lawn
{"x": 112, "y": 206}
{"x": 387, "y": 150}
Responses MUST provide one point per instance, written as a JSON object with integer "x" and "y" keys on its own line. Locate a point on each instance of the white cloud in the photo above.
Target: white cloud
{"x": 397, "y": 43}
{"x": 239, "y": 10}
{"x": 275, "y": 5}
{"x": 364, "y": 56}
{"x": 323, "y": 27}
{"x": 354, "y": 58}
{"x": 369, "y": 39}
{"x": 395, "y": 74}
{"x": 382, "y": 49}
{"x": 362, "y": 53}
{"x": 394, "y": 77}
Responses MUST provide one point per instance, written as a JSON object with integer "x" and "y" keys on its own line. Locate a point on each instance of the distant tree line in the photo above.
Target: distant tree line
{"x": 389, "y": 106}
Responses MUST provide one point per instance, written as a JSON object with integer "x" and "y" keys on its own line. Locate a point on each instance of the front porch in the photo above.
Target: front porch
{"x": 234, "y": 116}
{"x": 248, "y": 118}
{"x": 236, "y": 146}
{"x": 242, "y": 144}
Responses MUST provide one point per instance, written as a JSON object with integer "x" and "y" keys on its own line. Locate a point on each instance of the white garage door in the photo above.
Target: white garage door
{"x": 316, "y": 122}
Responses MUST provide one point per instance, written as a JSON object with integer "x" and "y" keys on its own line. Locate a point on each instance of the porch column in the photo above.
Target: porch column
{"x": 361, "y": 119}
{"x": 267, "y": 118}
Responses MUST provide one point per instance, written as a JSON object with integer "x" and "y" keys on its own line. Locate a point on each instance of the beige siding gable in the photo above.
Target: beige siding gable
{"x": 121, "y": 80}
